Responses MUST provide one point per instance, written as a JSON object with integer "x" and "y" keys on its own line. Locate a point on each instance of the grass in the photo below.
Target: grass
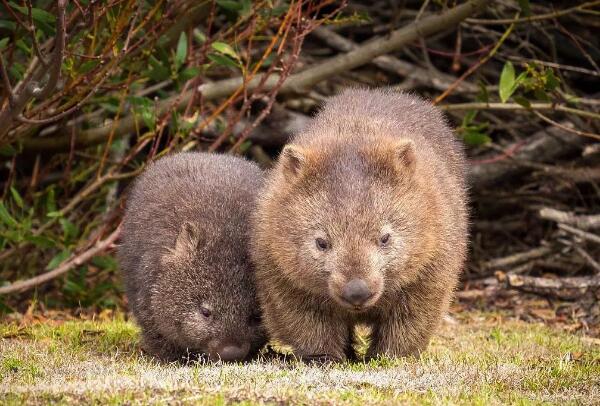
{"x": 482, "y": 359}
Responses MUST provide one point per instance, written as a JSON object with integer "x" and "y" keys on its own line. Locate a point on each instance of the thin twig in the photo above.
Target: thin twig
{"x": 6, "y": 80}
{"x": 580, "y": 233}
{"x": 566, "y": 128}
{"x": 564, "y": 288}
{"x": 475, "y": 66}
{"x": 593, "y": 263}
{"x": 29, "y": 87}
{"x": 36, "y": 45}
{"x": 529, "y": 19}
{"x": 72, "y": 262}
{"x": 333, "y": 66}
{"x": 57, "y": 55}
{"x": 518, "y": 258}
{"x": 516, "y": 106}
{"x": 579, "y": 221}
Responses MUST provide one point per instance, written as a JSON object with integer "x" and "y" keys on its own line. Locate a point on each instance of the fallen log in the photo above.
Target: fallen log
{"x": 569, "y": 288}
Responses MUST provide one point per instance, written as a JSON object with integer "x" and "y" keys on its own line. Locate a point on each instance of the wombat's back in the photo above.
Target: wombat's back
{"x": 371, "y": 113}
{"x": 213, "y": 191}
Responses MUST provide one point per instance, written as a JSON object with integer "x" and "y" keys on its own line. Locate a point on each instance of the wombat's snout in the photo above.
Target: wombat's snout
{"x": 356, "y": 292}
{"x": 230, "y": 353}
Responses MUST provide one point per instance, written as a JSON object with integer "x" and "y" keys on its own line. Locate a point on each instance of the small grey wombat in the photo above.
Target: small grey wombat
{"x": 184, "y": 257}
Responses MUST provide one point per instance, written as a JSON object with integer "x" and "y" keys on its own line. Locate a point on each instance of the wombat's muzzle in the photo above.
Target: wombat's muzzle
{"x": 356, "y": 292}
{"x": 231, "y": 352}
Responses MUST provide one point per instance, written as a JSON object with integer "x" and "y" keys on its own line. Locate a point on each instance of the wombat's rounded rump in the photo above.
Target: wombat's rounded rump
{"x": 362, "y": 220}
{"x": 183, "y": 256}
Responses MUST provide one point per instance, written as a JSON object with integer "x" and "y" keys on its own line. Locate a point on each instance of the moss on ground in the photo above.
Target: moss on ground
{"x": 481, "y": 359}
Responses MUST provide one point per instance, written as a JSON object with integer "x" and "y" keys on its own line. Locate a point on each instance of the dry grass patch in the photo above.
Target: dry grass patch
{"x": 481, "y": 359}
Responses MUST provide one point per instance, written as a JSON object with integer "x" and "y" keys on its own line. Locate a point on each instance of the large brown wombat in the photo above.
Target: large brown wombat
{"x": 184, "y": 257}
{"x": 363, "y": 220}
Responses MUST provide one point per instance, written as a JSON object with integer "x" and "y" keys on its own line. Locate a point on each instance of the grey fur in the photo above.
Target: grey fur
{"x": 184, "y": 247}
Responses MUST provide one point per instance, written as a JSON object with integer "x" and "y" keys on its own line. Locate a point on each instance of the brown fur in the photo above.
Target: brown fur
{"x": 184, "y": 248}
{"x": 372, "y": 162}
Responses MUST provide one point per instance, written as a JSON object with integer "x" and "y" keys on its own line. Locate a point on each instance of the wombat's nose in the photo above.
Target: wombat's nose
{"x": 232, "y": 353}
{"x": 356, "y": 292}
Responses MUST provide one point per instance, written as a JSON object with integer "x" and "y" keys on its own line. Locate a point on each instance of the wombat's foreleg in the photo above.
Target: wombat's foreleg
{"x": 314, "y": 337}
{"x": 399, "y": 336}
{"x": 158, "y": 347}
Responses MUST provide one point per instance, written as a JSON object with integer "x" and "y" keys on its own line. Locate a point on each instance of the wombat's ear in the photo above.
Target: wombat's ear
{"x": 293, "y": 159}
{"x": 188, "y": 239}
{"x": 394, "y": 157}
{"x": 404, "y": 151}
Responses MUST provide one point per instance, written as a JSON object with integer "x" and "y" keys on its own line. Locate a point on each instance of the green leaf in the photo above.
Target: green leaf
{"x": 158, "y": 71}
{"x": 7, "y": 150}
{"x": 522, "y": 101}
{"x": 552, "y": 81}
{"x": 541, "y": 95}
{"x": 16, "y": 197}
{"x": 507, "y": 82}
{"x": 225, "y": 49}
{"x": 199, "y": 36}
{"x": 145, "y": 108}
{"x": 6, "y": 217}
{"x": 475, "y": 138}
{"x": 181, "y": 52}
{"x": 482, "y": 95}
{"x": 87, "y": 66}
{"x": 189, "y": 73}
{"x": 525, "y": 8}
{"x": 9, "y": 25}
{"x": 106, "y": 262}
{"x": 37, "y": 14}
{"x": 230, "y": 5}
{"x": 469, "y": 117}
{"x": 51, "y": 200}
{"x": 245, "y": 146}
{"x": 73, "y": 287}
{"x": 3, "y": 43}
{"x": 40, "y": 241}
{"x": 246, "y": 7}
{"x": 58, "y": 259}
{"x": 54, "y": 214}
{"x": 70, "y": 230}
{"x": 222, "y": 60}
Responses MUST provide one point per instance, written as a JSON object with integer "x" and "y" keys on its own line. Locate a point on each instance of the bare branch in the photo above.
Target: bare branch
{"x": 518, "y": 258}
{"x": 28, "y": 87}
{"x": 593, "y": 263}
{"x": 564, "y": 288}
{"x": 583, "y": 222}
{"x": 532, "y": 18}
{"x": 64, "y": 267}
{"x": 580, "y": 233}
{"x": 544, "y": 146}
{"x": 439, "y": 81}
{"x": 516, "y": 106}
{"x": 297, "y": 82}
{"x": 57, "y": 55}
{"x": 36, "y": 45}
{"x": 6, "y": 80}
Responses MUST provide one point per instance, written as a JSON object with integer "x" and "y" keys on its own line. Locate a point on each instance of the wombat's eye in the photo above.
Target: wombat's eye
{"x": 205, "y": 312}
{"x": 384, "y": 240}
{"x": 322, "y": 244}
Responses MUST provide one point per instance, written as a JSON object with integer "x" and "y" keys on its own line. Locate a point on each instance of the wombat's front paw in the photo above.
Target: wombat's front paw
{"x": 320, "y": 359}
